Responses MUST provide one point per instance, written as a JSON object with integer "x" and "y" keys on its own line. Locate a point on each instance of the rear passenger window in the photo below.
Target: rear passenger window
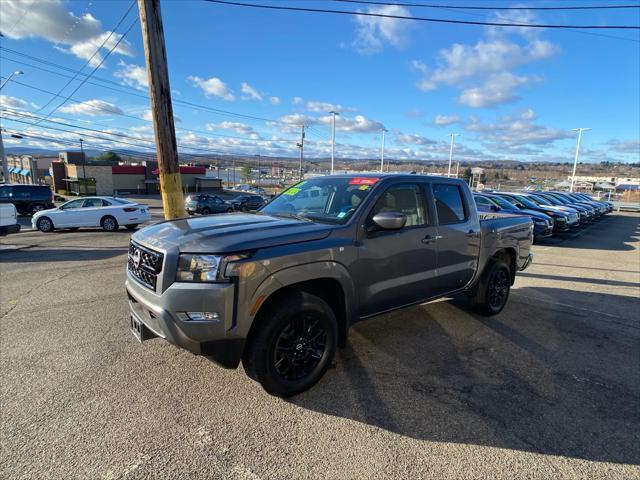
{"x": 449, "y": 203}
{"x": 405, "y": 199}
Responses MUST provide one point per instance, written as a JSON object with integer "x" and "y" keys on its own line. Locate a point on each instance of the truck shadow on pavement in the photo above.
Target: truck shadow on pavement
{"x": 38, "y": 255}
{"x": 557, "y": 382}
{"x": 614, "y": 232}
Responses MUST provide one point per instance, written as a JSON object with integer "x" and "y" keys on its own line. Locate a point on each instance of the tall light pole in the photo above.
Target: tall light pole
{"x": 333, "y": 137}
{"x": 575, "y": 160}
{"x": 84, "y": 172}
{"x": 383, "y": 130}
{"x": 301, "y": 147}
{"x": 3, "y": 157}
{"x": 453, "y": 136}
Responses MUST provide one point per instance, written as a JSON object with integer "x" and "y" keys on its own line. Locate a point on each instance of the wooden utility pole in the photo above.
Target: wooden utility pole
{"x": 161, "y": 108}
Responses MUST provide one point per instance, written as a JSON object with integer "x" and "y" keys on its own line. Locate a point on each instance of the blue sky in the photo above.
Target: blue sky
{"x": 510, "y": 93}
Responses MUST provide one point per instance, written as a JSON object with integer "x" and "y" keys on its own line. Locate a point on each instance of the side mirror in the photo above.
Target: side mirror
{"x": 495, "y": 208}
{"x": 390, "y": 220}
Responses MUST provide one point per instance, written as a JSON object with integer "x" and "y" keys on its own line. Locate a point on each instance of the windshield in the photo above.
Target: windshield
{"x": 540, "y": 200}
{"x": 323, "y": 199}
{"x": 503, "y": 203}
{"x": 523, "y": 200}
{"x": 560, "y": 199}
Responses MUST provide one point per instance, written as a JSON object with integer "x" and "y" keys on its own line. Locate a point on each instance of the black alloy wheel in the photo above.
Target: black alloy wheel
{"x": 299, "y": 347}
{"x": 498, "y": 289}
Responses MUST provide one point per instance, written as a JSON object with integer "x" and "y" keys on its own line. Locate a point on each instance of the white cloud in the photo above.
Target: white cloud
{"x": 324, "y": 107}
{"x": 626, "y": 146}
{"x": 147, "y": 116}
{"x": 250, "y": 93}
{"x": 132, "y": 75}
{"x": 516, "y": 131}
{"x": 274, "y": 100}
{"x": 357, "y": 124}
{"x": 12, "y": 102}
{"x": 238, "y": 127}
{"x": 498, "y": 88}
{"x": 297, "y": 101}
{"x": 373, "y": 32}
{"x": 79, "y": 35}
{"x": 213, "y": 86}
{"x": 444, "y": 120}
{"x": 411, "y": 139}
{"x": 484, "y": 70}
{"x": 92, "y": 108}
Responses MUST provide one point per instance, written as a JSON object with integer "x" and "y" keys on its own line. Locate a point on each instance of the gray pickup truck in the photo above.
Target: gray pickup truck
{"x": 279, "y": 289}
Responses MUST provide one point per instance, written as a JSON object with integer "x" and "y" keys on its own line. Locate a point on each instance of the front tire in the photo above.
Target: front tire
{"x": 45, "y": 225}
{"x": 492, "y": 291}
{"x": 229, "y": 210}
{"x": 109, "y": 224}
{"x": 292, "y": 345}
{"x": 36, "y": 208}
{"x": 206, "y": 211}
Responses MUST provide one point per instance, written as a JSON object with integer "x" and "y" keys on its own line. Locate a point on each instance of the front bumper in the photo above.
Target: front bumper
{"x": 542, "y": 231}
{"x": 217, "y": 340}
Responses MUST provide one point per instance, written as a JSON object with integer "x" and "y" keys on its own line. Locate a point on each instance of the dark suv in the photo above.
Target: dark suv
{"x": 28, "y": 199}
{"x": 245, "y": 203}
{"x": 205, "y": 204}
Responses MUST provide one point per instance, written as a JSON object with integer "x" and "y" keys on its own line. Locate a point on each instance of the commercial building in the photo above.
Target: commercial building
{"x": 72, "y": 174}
{"x": 29, "y": 169}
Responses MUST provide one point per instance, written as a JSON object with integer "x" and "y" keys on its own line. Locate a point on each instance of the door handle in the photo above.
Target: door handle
{"x": 429, "y": 239}
{"x": 472, "y": 234}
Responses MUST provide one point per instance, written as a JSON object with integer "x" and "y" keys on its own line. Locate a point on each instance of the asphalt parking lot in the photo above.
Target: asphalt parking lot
{"x": 548, "y": 389}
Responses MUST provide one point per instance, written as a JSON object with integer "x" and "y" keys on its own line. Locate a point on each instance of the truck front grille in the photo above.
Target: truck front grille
{"x": 144, "y": 264}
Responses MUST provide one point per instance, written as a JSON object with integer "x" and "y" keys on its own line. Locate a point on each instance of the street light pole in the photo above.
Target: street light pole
{"x": 333, "y": 137}
{"x": 384, "y": 130}
{"x": 452, "y": 135}
{"x": 3, "y": 157}
{"x": 575, "y": 160}
{"x": 84, "y": 172}
{"x": 301, "y": 146}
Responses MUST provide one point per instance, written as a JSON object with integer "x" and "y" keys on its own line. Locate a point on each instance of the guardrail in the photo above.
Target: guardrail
{"x": 626, "y": 206}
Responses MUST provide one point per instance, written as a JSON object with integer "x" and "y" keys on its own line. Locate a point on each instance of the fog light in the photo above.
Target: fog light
{"x": 199, "y": 316}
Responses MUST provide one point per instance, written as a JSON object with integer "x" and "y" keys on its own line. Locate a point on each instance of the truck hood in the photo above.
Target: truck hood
{"x": 232, "y": 232}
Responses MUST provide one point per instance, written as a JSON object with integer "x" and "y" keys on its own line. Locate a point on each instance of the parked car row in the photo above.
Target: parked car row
{"x": 551, "y": 212}
{"x": 206, "y": 204}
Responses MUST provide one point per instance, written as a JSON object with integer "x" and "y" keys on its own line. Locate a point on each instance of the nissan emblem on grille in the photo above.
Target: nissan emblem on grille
{"x": 144, "y": 265}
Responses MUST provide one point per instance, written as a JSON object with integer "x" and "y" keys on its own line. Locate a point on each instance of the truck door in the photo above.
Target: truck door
{"x": 396, "y": 268}
{"x": 458, "y": 237}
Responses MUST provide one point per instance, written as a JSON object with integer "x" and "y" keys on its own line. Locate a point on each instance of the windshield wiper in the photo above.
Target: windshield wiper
{"x": 290, "y": 215}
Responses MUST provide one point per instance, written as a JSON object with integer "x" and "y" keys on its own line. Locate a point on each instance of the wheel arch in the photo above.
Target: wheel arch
{"x": 509, "y": 256}
{"x": 334, "y": 286}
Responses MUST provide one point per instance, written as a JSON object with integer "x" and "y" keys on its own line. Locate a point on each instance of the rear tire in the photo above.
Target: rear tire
{"x": 229, "y": 210}
{"x": 491, "y": 293}
{"x": 45, "y": 225}
{"x": 131, "y": 227}
{"x": 109, "y": 224}
{"x": 292, "y": 344}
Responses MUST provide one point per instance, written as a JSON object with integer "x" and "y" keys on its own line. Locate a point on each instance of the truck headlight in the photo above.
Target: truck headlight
{"x": 198, "y": 268}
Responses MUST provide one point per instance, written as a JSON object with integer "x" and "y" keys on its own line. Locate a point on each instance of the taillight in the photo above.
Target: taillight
{"x": 130, "y": 209}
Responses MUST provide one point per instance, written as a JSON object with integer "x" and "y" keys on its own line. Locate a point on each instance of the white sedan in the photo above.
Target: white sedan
{"x": 106, "y": 212}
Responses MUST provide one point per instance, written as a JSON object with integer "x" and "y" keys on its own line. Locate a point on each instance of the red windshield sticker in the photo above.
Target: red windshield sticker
{"x": 363, "y": 181}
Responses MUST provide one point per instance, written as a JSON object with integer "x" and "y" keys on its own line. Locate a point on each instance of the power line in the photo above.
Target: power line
{"x": 97, "y": 50}
{"x": 68, "y": 97}
{"x": 582, "y": 32}
{"x": 470, "y": 7}
{"x": 422, "y": 19}
{"x": 103, "y": 109}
